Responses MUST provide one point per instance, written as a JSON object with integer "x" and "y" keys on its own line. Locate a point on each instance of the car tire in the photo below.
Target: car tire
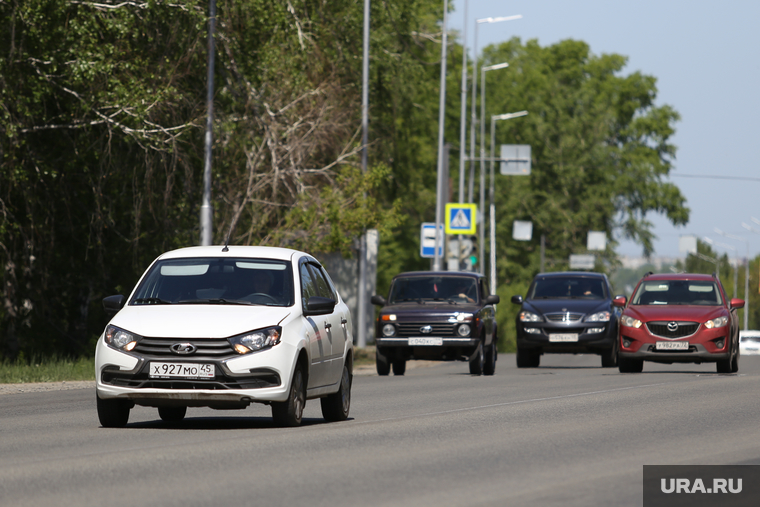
{"x": 527, "y": 358}
{"x": 335, "y": 406}
{"x": 478, "y": 362}
{"x": 630, "y": 365}
{"x": 490, "y": 361}
{"x": 382, "y": 363}
{"x": 289, "y": 413}
{"x": 399, "y": 366}
{"x": 735, "y": 362}
{"x": 113, "y": 413}
{"x": 610, "y": 357}
{"x": 172, "y": 414}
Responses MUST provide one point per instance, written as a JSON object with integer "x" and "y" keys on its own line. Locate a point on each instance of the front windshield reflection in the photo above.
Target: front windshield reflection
{"x": 425, "y": 289}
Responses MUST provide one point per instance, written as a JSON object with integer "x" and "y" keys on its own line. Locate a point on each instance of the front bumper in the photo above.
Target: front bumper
{"x": 546, "y": 337}
{"x": 430, "y": 347}
{"x": 703, "y": 345}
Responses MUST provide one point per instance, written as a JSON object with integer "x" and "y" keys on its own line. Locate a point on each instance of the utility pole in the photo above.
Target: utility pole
{"x": 206, "y": 210}
{"x": 441, "y": 119}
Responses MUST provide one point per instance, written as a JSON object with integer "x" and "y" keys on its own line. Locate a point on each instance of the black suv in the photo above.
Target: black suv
{"x": 570, "y": 312}
{"x": 444, "y": 316}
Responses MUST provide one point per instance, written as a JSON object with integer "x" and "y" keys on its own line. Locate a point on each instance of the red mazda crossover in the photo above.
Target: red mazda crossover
{"x": 679, "y": 318}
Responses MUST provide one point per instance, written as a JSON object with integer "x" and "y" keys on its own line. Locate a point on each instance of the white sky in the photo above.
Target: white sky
{"x": 704, "y": 55}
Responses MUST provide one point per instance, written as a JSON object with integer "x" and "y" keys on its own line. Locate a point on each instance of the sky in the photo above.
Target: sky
{"x": 705, "y": 56}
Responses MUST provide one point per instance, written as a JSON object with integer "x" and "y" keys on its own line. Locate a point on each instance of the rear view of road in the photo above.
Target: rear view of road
{"x": 567, "y": 433}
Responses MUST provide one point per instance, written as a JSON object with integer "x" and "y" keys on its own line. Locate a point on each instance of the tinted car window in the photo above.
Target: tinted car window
{"x": 189, "y": 281}
{"x": 677, "y": 292}
{"x": 308, "y": 287}
{"x": 433, "y": 288}
{"x": 324, "y": 288}
{"x": 570, "y": 287}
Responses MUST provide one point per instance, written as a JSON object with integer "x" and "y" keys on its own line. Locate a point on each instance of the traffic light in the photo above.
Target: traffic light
{"x": 474, "y": 251}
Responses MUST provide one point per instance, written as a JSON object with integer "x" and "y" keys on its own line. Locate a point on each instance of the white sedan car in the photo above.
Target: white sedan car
{"x": 224, "y": 327}
{"x": 749, "y": 342}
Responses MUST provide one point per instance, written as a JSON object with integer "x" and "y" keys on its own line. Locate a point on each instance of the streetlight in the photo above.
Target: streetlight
{"x": 492, "y": 210}
{"x": 474, "y": 89}
{"x": 746, "y": 273}
{"x": 441, "y": 119}
{"x": 482, "y": 241}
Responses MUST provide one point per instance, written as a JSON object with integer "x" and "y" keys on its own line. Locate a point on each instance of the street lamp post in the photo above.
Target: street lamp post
{"x": 492, "y": 207}
{"x": 441, "y": 119}
{"x": 482, "y": 208}
{"x": 474, "y": 89}
{"x": 746, "y": 273}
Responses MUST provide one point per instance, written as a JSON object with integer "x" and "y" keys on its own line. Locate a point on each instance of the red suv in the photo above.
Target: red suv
{"x": 679, "y": 318}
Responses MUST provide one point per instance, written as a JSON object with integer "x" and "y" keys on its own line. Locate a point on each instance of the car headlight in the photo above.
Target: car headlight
{"x": 530, "y": 317}
{"x": 120, "y": 339}
{"x": 256, "y": 340}
{"x": 629, "y": 321}
{"x": 599, "y": 317}
{"x": 389, "y": 330}
{"x": 719, "y": 322}
{"x": 464, "y": 330}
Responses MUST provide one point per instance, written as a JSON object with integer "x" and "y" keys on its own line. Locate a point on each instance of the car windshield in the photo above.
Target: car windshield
{"x": 234, "y": 281}
{"x": 425, "y": 289}
{"x": 677, "y": 292}
{"x": 571, "y": 287}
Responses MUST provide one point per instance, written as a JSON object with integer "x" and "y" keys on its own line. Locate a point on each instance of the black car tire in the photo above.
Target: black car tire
{"x": 527, "y": 358}
{"x": 381, "y": 362}
{"x": 490, "y": 361}
{"x": 399, "y": 366}
{"x": 172, "y": 414}
{"x": 113, "y": 413}
{"x": 626, "y": 365}
{"x": 289, "y": 413}
{"x": 730, "y": 365}
{"x": 335, "y": 407}
{"x": 477, "y": 363}
{"x": 610, "y": 357}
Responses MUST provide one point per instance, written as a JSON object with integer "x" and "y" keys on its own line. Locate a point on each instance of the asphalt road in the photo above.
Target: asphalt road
{"x": 567, "y": 433}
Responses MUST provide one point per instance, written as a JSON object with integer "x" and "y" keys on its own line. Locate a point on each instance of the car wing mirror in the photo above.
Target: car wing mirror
{"x": 112, "y": 304}
{"x": 737, "y": 303}
{"x": 493, "y": 299}
{"x": 620, "y": 301}
{"x": 517, "y": 299}
{"x": 378, "y": 300}
{"x": 317, "y": 305}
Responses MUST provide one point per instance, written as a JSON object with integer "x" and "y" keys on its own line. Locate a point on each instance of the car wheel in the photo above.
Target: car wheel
{"x": 490, "y": 364}
{"x": 478, "y": 362}
{"x": 381, "y": 362}
{"x": 399, "y": 366}
{"x": 527, "y": 358}
{"x": 289, "y": 413}
{"x": 610, "y": 357}
{"x": 172, "y": 414}
{"x": 630, "y": 365}
{"x": 735, "y": 362}
{"x": 113, "y": 413}
{"x": 335, "y": 406}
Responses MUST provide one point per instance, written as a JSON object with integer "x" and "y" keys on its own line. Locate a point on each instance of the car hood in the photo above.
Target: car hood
{"x": 412, "y": 310}
{"x": 584, "y": 306}
{"x": 197, "y": 321}
{"x": 695, "y": 313}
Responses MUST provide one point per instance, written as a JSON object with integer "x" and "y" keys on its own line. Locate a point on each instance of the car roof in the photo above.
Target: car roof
{"x": 259, "y": 252}
{"x": 570, "y": 274}
{"x": 680, "y": 276}
{"x": 439, "y": 273}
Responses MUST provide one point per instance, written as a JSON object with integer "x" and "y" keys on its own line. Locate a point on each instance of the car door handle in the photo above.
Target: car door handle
{"x": 343, "y": 320}
{"x": 327, "y": 325}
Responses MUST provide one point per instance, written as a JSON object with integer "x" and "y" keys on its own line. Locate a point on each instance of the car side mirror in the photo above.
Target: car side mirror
{"x": 493, "y": 299}
{"x": 737, "y": 303}
{"x": 378, "y": 300}
{"x": 620, "y": 301}
{"x": 112, "y": 304}
{"x": 517, "y": 299}
{"x": 317, "y": 305}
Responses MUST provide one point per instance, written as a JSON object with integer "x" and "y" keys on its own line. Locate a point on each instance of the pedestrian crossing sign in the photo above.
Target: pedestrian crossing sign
{"x": 461, "y": 218}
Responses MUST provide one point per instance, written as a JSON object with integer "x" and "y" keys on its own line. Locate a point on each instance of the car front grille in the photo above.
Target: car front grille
{"x": 665, "y": 329}
{"x": 414, "y": 329}
{"x": 564, "y": 317}
{"x": 206, "y": 347}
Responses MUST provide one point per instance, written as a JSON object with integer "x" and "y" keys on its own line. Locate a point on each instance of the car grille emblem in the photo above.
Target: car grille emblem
{"x": 426, "y": 329}
{"x": 183, "y": 349}
{"x": 672, "y": 327}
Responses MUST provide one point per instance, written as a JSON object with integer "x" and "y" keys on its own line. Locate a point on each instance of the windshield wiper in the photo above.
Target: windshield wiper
{"x": 214, "y": 301}
{"x": 153, "y": 301}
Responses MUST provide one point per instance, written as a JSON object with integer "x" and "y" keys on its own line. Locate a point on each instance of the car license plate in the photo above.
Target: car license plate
{"x": 181, "y": 370}
{"x": 425, "y": 342}
{"x": 672, "y": 346}
{"x": 563, "y": 337}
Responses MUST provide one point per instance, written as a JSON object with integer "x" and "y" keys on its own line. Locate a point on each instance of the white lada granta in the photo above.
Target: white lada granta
{"x": 224, "y": 327}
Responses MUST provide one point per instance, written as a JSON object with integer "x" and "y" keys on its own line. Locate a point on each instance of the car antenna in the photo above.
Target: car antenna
{"x": 226, "y": 242}
{"x": 648, "y": 273}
